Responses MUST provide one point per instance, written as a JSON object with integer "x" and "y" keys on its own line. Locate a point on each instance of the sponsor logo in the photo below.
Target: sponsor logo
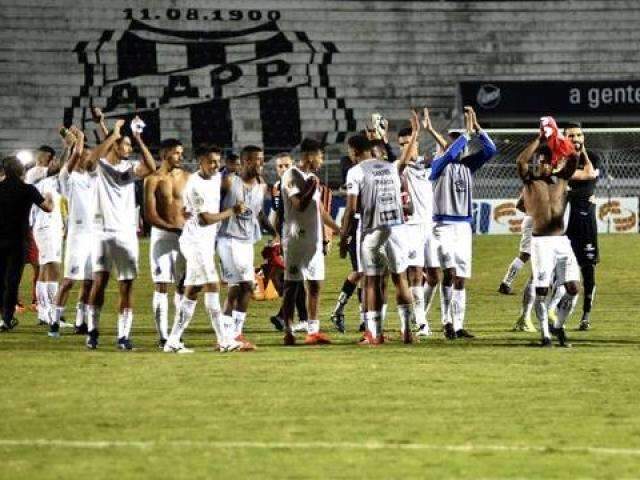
{"x": 488, "y": 96}
{"x": 620, "y": 218}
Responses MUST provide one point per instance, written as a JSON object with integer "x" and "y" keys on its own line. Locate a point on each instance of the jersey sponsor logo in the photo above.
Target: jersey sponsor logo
{"x": 205, "y": 73}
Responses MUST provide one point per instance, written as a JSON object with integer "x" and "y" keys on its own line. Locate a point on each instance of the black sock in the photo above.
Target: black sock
{"x": 589, "y": 281}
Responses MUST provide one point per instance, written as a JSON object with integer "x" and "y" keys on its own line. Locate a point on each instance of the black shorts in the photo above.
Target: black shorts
{"x": 582, "y": 231}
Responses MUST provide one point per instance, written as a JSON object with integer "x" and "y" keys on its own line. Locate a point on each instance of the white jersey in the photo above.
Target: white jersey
{"x": 35, "y": 174}
{"x": 115, "y": 205}
{"x": 305, "y": 226}
{"x": 42, "y": 220}
{"x": 201, "y": 195}
{"x": 420, "y": 190}
{"x": 80, "y": 190}
{"x": 376, "y": 183}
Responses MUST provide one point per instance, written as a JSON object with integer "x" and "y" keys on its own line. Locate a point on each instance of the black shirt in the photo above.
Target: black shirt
{"x": 16, "y": 199}
{"x": 583, "y": 189}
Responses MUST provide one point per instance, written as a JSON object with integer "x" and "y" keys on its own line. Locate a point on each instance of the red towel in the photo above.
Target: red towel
{"x": 560, "y": 145}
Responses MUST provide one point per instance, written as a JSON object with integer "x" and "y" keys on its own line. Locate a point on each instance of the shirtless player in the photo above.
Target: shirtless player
{"x": 545, "y": 187}
{"x": 163, "y": 210}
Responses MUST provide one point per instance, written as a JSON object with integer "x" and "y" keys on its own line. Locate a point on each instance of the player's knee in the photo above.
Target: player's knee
{"x": 313, "y": 288}
{"x": 458, "y": 283}
{"x": 448, "y": 276}
{"x": 433, "y": 276}
{"x": 162, "y": 287}
{"x": 524, "y": 257}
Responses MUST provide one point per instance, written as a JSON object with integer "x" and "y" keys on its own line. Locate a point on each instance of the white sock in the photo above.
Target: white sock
{"x": 177, "y": 300}
{"x": 565, "y": 308}
{"x": 446, "y": 295}
{"x": 383, "y": 313}
{"x": 541, "y": 313}
{"x": 160, "y": 305}
{"x": 125, "y": 319}
{"x": 41, "y": 298}
{"x": 212, "y": 304}
{"x": 313, "y": 326}
{"x": 373, "y": 323}
{"x": 558, "y": 293}
{"x": 458, "y": 308}
{"x": 512, "y": 271}
{"x": 429, "y": 294}
{"x": 228, "y": 325}
{"x": 405, "y": 313}
{"x": 183, "y": 317}
{"x": 417, "y": 293}
{"x": 58, "y": 312}
{"x": 239, "y": 318}
{"x": 50, "y": 289}
{"x": 81, "y": 310}
{"x": 528, "y": 299}
{"x": 93, "y": 318}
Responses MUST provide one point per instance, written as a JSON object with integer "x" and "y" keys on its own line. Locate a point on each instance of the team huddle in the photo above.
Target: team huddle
{"x": 407, "y": 216}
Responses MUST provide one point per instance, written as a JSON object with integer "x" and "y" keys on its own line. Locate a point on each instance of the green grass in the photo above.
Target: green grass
{"x": 320, "y": 412}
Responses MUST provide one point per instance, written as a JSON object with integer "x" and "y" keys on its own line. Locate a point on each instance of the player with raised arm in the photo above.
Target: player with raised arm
{"x": 115, "y": 228}
{"x": 545, "y": 174}
{"x": 238, "y": 235}
{"x": 302, "y": 241}
{"x": 201, "y": 200}
{"x": 373, "y": 188}
{"x": 163, "y": 210}
{"x": 422, "y": 256}
{"x": 78, "y": 182}
{"x": 452, "y": 177}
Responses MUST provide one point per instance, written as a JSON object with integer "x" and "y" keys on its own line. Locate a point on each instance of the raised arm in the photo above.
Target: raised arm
{"x": 101, "y": 150}
{"x": 148, "y": 165}
{"x": 449, "y": 156}
{"x": 405, "y": 156}
{"x": 522, "y": 162}
{"x": 78, "y": 150}
{"x": 488, "y": 148}
{"x": 98, "y": 118}
{"x": 428, "y": 126}
{"x": 586, "y": 173}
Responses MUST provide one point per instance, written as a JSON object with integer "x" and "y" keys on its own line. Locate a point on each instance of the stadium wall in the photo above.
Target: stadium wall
{"x": 270, "y": 72}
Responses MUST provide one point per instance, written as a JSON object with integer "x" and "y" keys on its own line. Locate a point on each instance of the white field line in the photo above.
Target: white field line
{"x": 465, "y": 448}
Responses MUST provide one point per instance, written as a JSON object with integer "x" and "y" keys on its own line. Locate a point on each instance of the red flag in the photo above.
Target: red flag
{"x": 559, "y": 145}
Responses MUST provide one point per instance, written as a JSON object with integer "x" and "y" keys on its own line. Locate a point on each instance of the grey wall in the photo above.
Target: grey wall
{"x": 319, "y": 70}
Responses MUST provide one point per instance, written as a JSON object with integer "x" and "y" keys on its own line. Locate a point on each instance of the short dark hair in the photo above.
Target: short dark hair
{"x": 405, "y": 132}
{"x": 170, "y": 143}
{"x": 359, "y": 143}
{"x": 454, "y": 134}
{"x": 204, "y": 150}
{"x": 248, "y": 150}
{"x": 47, "y": 149}
{"x": 572, "y": 124}
{"x": 11, "y": 167}
{"x": 309, "y": 145}
{"x": 231, "y": 157}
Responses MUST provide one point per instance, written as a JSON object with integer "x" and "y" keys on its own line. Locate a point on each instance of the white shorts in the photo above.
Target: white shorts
{"x": 421, "y": 248}
{"x": 527, "y": 232}
{"x": 383, "y": 250}
{"x": 49, "y": 246}
{"x": 77, "y": 256}
{"x": 201, "y": 263}
{"x": 166, "y": 261}
{"x": 454, "y": 244}
{"x": 236, "y": 260}
{"x": 115, "y": 248}
{"x": 303, "y": 261}
{"x": 553, "y": 255}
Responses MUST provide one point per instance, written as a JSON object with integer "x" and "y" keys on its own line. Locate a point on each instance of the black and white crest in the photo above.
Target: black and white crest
{"x": 256, "y": 85}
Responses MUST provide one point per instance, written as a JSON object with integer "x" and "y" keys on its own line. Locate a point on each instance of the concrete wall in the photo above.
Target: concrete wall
{"x": 270, "y": 72}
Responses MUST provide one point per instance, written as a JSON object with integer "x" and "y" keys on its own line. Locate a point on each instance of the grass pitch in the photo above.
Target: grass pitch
{"x": 493, "y": 407}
